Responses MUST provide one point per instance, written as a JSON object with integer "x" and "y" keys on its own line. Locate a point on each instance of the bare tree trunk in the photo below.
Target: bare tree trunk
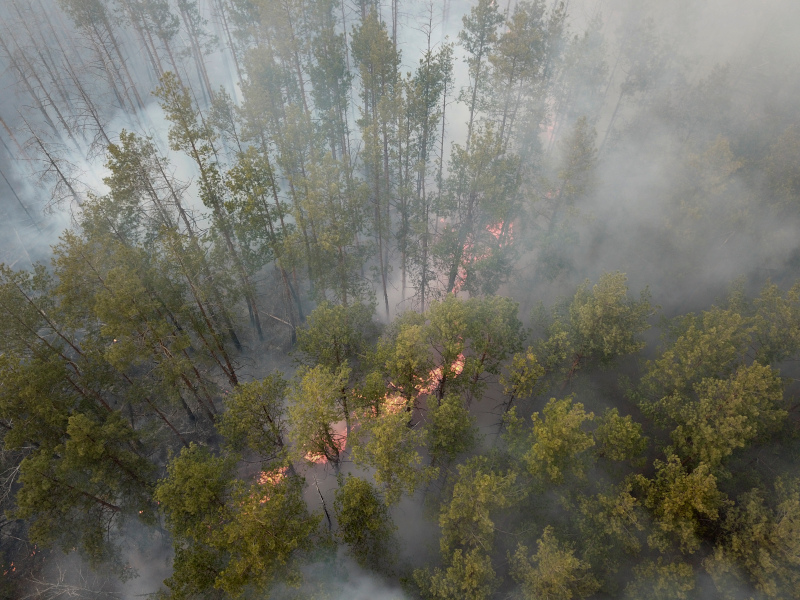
{"x": 50, "y": 102}
{"x": 611, "y": 122}
{"x": 26, "y": 83}
{"x": 197, "y": 52}
{"x": 105, "y": 58}
{"x": 88, "y": 103}
{"x": 206, "y": 269}
{"x": 379, "y": 230}
{"x": 21, "y": 203}
{"x": 122, "y": 62}
{"x": 143, "y": 31}
{"x": 221, "y": 9}
{"x": 53, "y": 163}
{"x": 57, "y": 82}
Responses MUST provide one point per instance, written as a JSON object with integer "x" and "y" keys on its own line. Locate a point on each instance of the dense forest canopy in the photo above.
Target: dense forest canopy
{"x": 399, "y": 299}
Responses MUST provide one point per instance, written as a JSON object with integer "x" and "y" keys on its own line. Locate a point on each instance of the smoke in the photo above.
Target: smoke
{"x": 680, "y": 200}
{"x": 69, "y": 576}
{"x": 338, "y": 578}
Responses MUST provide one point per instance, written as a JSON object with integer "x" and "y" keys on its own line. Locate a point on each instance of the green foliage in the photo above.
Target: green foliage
{"x": 553, "y": 572}
{"x": 451, "y": 429}
{"x": 599, "y": 326}
{"x": 336, "y": 335}
{"x": 185, "y": 133}
{"x": 255, "y": 418}
{"x": 387, "y": 444}
{"x": 108, "y": 361}
{"x": 194, "y": 493}
{"x": 77, "y": 493}
{"x": 478, "y": 37}
{"x": 611, "y": 523}
{"x": 469, "y": 576}
{"x": 710, "y": 345}
{"x": 725, "y": 414}
{"x": 316, "y": 403}
{"x": 559, "y": 441}
{"x": 364, "y": 522}
{"x": 36, "y": 398}
{"x": 662, "y": 581}
{"x": 761, "y": 540}
{"x": 474, "y": 249}
{"x": 478, "y": 491}
{"x": 405, "y": 355}
{"x": 605, "y": 323}
{"x": 268, "y": 528}
{"x": 494, "y": 333}
{"x": 783, "y": 155}
{"x": 447, "y": 322}
{"x": 515, "y": 436}
{"x": 578, "y": 161}
{"x": 619, "y": 438}
{"x": 775, "y": 321}
{"x": 229, "y": 535}
{"x": 524, "y": 373}
{"x": 124, "y": 353}
{"x": 682, "y": 502}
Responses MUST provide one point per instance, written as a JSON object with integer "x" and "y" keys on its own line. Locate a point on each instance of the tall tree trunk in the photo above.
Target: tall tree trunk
{"x": 197, "y": 52}
{"x": 139, "y": 23}
{"x": 50, "y": 102}
{"x": 123, "y": 64}
{"x": 20, "y": 202}
{"x": 21, "y": 74}
{"x": 206, "y": 268}
{"x": 221, "y": 9}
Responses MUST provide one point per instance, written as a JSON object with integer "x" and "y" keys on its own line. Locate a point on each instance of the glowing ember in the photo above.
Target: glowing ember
{"x": 316, "y": 457}
{"x": 497, "y": 231}
{"x": 339, "y": 440}
{"x": 394, "y": 403}
{"x": 458, "y": 366}
{"x": 272, "y": 477}
{"x": 549, "y": 130}
{"x": 436, "y": 375}
{"x": 468, "y": 256}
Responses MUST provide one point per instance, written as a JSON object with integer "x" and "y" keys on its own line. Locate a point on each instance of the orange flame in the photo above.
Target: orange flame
{"x": 468, "y": 257}
{"x": 436, "y": 375}
{"x": 497, "y": 231}
{"x": 394, "y": 403}
{"x": 270, "y": 478}
{"x": 339, "y": 441}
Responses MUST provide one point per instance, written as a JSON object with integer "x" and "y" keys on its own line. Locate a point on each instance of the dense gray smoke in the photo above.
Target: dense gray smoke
{"x": 676, "y": 80}
{"x": 723, "y": 75}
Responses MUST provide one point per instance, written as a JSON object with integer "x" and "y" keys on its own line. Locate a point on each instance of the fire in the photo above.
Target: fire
{"x": 394, "y": 403}
{"x": 468, "y": 256}
{"x": 316, "y": 457}
{"x": 339, "y": 441}
{"x": 270, "y": 478}
{"x": 497, "y": 231}
{"x": 435, "y": 377}
{"x": 549, "y": 130}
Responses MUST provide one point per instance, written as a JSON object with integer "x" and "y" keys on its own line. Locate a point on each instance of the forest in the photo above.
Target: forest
{"x": 399, "y": 299}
